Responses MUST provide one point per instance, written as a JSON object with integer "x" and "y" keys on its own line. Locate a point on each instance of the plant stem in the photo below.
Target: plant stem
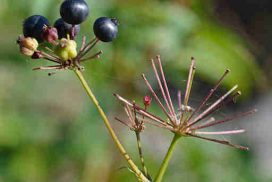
{"x": 167, "y": 158}
{"x": 141, "y": 152}
{"x": 132, "y": 165}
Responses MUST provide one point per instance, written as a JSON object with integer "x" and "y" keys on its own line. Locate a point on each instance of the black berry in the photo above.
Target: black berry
{"x": 74, "y": 11}
{"x": 105, "y": 29}
{"x": 33, "y": 26}
{"x": 65, "y": 28}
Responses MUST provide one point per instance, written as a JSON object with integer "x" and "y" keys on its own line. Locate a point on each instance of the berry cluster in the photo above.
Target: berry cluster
{"x": 56, "y": 43}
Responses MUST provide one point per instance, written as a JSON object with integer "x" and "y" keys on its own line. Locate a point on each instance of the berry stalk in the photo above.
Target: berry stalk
{"x": 89, "y": 92}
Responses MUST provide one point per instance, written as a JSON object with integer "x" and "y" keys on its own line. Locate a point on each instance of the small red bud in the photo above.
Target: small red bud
{"x": 147, "y": 100}
{"x": 50, "y": 34}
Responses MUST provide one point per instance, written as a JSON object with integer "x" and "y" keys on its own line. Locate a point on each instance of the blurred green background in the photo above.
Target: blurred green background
{"x": 49, "y": 130}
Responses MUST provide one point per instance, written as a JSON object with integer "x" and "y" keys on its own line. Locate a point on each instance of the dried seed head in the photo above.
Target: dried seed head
{"x": 187, "y": 121}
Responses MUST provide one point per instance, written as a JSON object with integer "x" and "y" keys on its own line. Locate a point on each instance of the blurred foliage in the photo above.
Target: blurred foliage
{"x": 50, "y": 132}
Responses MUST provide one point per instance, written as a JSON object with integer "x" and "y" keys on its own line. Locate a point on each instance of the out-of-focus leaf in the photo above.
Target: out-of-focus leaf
{"x": 217, "y": 49}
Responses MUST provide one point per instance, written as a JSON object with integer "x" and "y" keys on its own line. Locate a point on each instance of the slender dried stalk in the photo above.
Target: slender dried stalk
{"x": 167, "y": 98}
{"x": 230, "y": 118}
{"x": 95, "y": 56}
{"x": 189, "y": 82}
{"x": 213, "y": 106}
{"x": 157, "y": 99}
{"x": 202, "y": 104}
{"x": 224, "y": 142}
{"x": 219, "y": 132}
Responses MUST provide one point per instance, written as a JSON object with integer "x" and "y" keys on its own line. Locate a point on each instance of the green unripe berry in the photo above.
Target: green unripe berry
{"x": 66, "y": 49}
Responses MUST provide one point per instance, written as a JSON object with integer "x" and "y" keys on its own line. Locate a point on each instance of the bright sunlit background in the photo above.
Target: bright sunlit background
{"x": 50, "y": 131}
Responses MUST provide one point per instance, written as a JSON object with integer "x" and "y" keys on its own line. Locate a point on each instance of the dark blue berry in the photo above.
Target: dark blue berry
{"x": 74, "y": 11}
{"x": 33, "y": 26}
{"x": 65, "y": 28}
{"x": 105, "y": 29}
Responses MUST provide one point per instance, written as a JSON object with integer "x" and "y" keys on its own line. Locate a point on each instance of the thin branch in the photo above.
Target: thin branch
{"x": 160, "y": 85}
{"x": 227, "y": 100}
{"x": 202, "y": 104}
{"x": 123, "y": 122}
{"x": 134, "y": 112}
{"x": 142, "y": 111}
{"x": 95, "y": 56}
{"x": 219, "y": 132}
{"x": 214, "y": 105}
{"x": 79, "y": 55}
{"x": 224, "y": 142}
{"x": 129, "y": 114}
{"x": 83, "y": 43}
{"x": 166, "y": 88}
{"x": 230, "y": 118}
{"x": 211, "y": 119}
{"x": 179, "y": 100}
{"x": 189, "y": 82}
{"x": 180, "y": 111}
{"x": 157, "y": 99}
{"x": 157, "y": 124}
{"x": 87, "y": 49}
{"x": 48, "y": 67}
{"x": 50, "y": 57}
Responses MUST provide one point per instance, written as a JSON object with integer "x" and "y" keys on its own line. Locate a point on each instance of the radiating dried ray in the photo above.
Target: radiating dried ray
{"x": 48, "y": 67}
{"x": 219, "y": 132}
{"x": 130, "y": 116}
{"x": 158, "y": 124}
{"x": 123, "y": 122}
{"x": 179, "y": 100}
{"x": 95, "y": 56}
{"x": 224, "y": 142}
{"x": 205, "y": 100}
{"x": 189, "y": 82}
{"x": 83, "y": 42}
{"x": 166, "y": 88}
{"x": 230, "y": 118}
{"x": 214, "y": 105}
{"x": 142, "y": 111}
{"x": 157, "y": 99}
{"x": 161, "y": 87}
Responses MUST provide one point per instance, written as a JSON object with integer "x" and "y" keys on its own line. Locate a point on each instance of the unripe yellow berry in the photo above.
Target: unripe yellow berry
{"x": 66, "y": 49}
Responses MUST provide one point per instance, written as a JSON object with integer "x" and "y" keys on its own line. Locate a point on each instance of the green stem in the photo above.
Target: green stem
{"x": 167, "y": 158}
{"x": 138, "y": 137}
{"x": 132, "y": 165}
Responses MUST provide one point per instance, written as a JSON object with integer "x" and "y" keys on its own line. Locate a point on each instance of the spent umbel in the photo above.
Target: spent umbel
{"x": 185, "y": 120}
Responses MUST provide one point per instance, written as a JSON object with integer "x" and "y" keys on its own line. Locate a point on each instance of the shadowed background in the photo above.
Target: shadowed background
{"x": 49, "y": 130}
